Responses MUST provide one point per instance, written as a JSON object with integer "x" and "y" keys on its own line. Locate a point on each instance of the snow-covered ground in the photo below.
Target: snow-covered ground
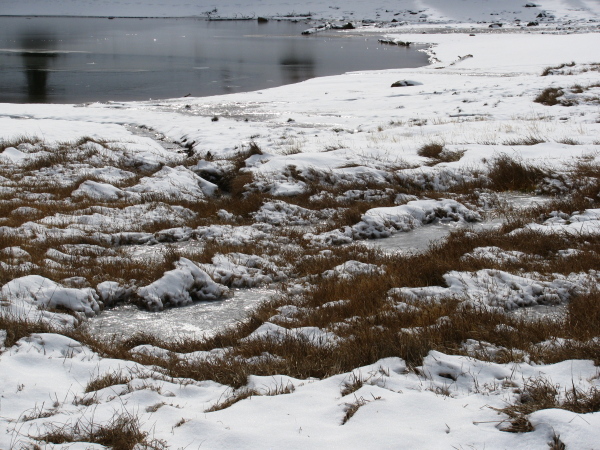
{"x": 93, "y": 194}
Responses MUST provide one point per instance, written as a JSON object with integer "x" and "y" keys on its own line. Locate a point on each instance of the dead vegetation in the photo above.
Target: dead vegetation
{"x": 541, "y": 393}
{"x": 121, "y": 433}
{"x": 369, "y": 320}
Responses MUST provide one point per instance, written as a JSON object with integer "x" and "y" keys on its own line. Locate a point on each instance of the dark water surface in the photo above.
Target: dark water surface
{"x": 72, "y": 60}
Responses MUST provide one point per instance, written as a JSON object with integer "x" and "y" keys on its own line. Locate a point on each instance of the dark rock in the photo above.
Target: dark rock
{"x": 405, "y": 83}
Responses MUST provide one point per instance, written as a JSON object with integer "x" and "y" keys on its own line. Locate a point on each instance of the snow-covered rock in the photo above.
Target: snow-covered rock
{"x": 45, "y": 293}
{"x": 179, "y": 287}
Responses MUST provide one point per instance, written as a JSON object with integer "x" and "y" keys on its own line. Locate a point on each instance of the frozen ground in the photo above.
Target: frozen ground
{"x": 167, "y": 203}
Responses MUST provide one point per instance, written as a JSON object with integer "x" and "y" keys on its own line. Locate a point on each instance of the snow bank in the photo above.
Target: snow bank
{"x": 99, "y": 191}
{"x": 502, "y": 289}
{"x": 175, "y": 183}
{"x": 45, "y": 293}
{"x": 383, "y": 222}
{"x": 180, "y": 286}
{"x": 313, "y": 335}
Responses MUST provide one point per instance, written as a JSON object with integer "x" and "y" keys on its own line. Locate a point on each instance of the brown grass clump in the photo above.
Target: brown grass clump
{"x": 525, "y": 140}
{"x": 352, "y": 408}
{"x": 540, "y": 393}
{"x": 235, "y": 397}
{"x": 432, "y": 150}
{"x": 121, "y": 433}
{"x": 551, "y": 96}
{"x": 106, "y": 380}
{"x": 510, "y": 174}
{"x": 551, "y": 69}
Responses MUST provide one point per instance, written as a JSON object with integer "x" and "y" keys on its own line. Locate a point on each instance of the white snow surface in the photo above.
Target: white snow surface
{"x": 399, "y": 405}
{"x": 475, "y": 97}
{"x": 180, "y": 286}
{"x": 39, "y": 291}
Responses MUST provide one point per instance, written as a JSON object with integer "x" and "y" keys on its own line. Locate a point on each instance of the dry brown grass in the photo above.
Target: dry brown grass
{"x": 540, "y": 393}
{"x": 106, "y": 380}
{"x": 235, "y": 397}
{"x": 549, "y": 70}
{"x": 121, "y": 433}
{"x": 552, "y": 96}
{"x": 512, "y": 174}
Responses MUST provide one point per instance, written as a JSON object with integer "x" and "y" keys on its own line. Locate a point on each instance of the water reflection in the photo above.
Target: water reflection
{"x": 295, "y": 68}
{"x": 36, "y": 57}
{"x": 72, "y": 60}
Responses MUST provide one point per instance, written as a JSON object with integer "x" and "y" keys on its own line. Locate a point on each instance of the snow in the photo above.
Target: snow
{"x": 498, "y": 288}
{"x": 310, "y": 415}
{"x": 179, "y": 287}
{"x": 176, "y": 183}
{"x": 39, "y": 291}
{"x": 351, "y": 131}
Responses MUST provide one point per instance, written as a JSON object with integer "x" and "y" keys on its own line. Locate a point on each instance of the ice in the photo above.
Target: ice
{"x": 197, "y": 319}
{"x": 351, "y": 132}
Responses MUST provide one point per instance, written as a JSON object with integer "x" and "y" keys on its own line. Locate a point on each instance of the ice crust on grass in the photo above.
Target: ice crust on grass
{"x": 239, "y": 270}
{"x": 175, "y": 183}
{"x": 313, "y": 335}
{"x": 505, "y": 290}
{"x": 180, "y": 287}
{"x": 579, "y": 223}
{"x": 383, "y": 222}
{"x": 349, "y": 269}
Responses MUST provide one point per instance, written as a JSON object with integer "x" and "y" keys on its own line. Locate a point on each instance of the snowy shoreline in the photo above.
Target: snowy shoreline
{"x": 141, "y": 202}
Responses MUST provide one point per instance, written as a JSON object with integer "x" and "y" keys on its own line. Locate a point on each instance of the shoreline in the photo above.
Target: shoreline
{"x": 157, "y": 204}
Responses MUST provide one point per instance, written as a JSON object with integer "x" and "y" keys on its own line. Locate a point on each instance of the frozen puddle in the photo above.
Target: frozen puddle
{"x": 419, "y": 239}
{"x": 197, "y": 320}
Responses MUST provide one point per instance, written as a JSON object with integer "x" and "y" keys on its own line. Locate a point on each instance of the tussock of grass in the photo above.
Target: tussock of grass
{"x": 540, "y": 393}
{"x": 121, "y": 433}
{"x": 552, "y": 96}
{"x": 525, "y": 140}
{"x": 511, "y": 174}
{"x": 237, "y": 396}
{"x": 432, "y": 150}
{"x": 551, "y": 69}
{"x": 352, "y": 408}
{"x": 352, "y": 385}
{"x": 106, "y": 380}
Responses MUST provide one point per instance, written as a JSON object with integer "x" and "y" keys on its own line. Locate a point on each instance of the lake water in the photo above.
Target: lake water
{"x": 73, "y": 60}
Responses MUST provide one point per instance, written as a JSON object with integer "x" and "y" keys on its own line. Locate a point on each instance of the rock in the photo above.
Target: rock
{"x": 404, "y": 83}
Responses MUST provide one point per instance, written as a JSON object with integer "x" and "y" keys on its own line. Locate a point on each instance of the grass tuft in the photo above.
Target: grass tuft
{"x": 121, "y": 433}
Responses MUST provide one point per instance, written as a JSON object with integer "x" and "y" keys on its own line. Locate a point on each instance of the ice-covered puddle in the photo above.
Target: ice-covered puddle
{"x": 197, "y": 320}
{"x": 420, "y": 238}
